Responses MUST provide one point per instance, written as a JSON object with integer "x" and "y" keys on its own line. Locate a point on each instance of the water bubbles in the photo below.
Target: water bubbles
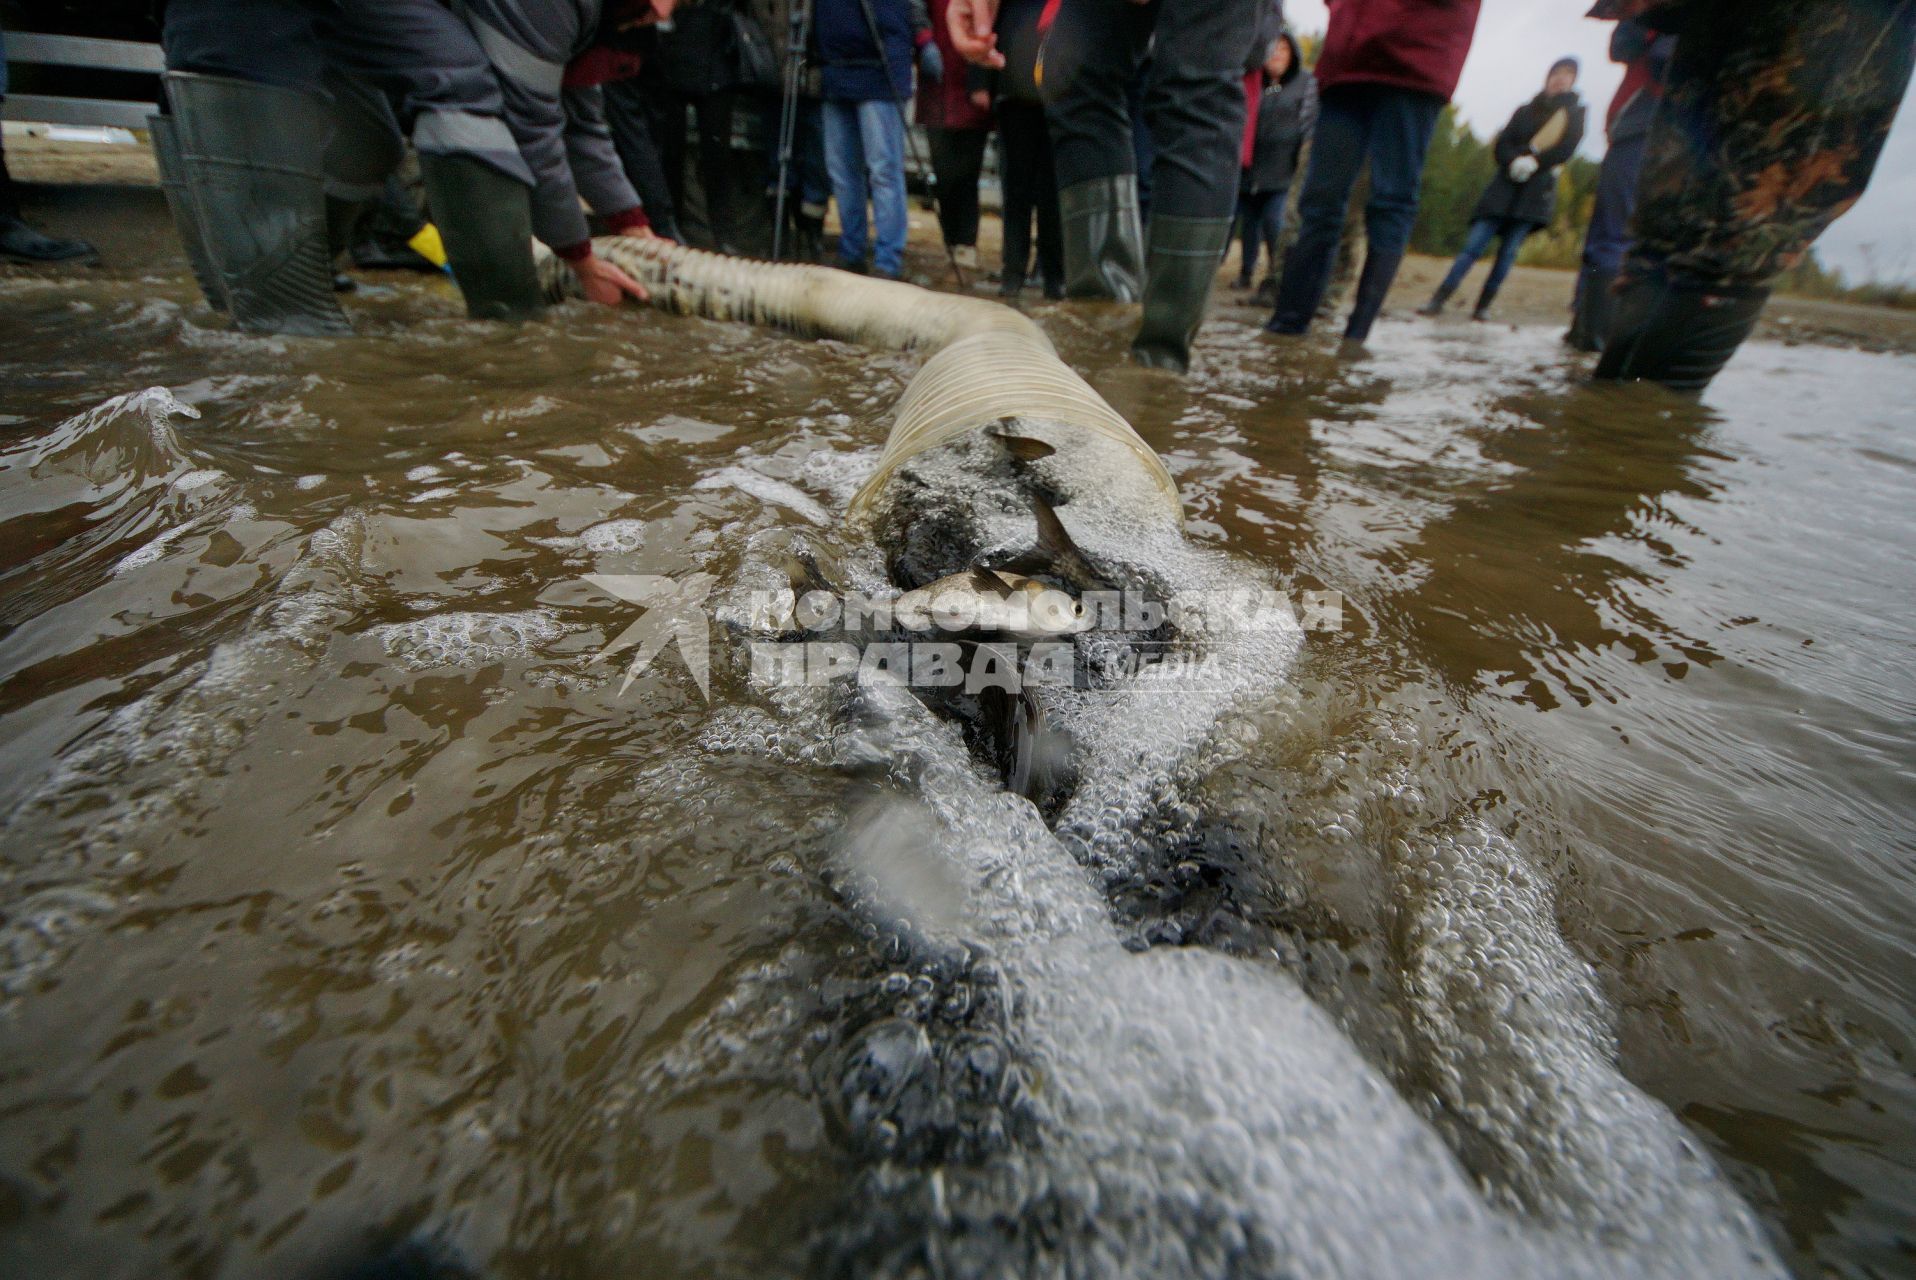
{"x": 467, "y": 639}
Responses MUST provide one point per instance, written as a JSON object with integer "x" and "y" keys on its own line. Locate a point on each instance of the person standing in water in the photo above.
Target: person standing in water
{"x": 1645, "y": 56}
{"x": 1286, "y": 115}
{"x": 1773, "y": 117}
{"x": 1194, "y": 107}
{"x": 1542, "y": 134}
{"x": 1386, "y": 70}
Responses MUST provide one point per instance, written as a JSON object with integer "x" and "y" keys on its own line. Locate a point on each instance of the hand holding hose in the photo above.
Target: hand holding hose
{"x": 606, "y": 284}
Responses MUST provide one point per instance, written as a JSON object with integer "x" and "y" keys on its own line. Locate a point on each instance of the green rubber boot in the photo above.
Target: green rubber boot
{"x": 1180, "y": 267}
{"x": 1102, "y": 239}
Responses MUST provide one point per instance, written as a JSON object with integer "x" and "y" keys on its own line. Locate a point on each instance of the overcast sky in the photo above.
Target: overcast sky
{"x": 1516, "y": 42}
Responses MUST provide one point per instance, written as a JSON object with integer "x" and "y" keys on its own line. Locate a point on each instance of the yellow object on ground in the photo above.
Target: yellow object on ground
{"x": 426, "y": 244}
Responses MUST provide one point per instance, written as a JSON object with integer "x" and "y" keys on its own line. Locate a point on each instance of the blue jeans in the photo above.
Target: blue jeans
{"x": 1260, "y": 221}
{"x": 865, "y": 155}
{"x": 1478, "y": 239}
{"x": 1608, "y": 238}
{"x": 1391, "y": 128}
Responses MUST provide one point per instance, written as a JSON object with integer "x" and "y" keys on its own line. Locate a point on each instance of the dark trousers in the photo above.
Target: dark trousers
{"x": 424, "y": 61}
{"x": 628, "y": 115}
{"x": 716, "y": 170}
{"x": 957, "y": 158}
{"x": 1391, "y": 129}
{"x": 1260, "y": 219}
{"x": 1030, "y": 183}
{"x": 1193, "y": 96}
{"x": 1607, "y": 238}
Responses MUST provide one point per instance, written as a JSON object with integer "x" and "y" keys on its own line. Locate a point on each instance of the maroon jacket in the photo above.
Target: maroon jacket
{"x": 947, "y": 104}
{"x": 1410, "y": 44}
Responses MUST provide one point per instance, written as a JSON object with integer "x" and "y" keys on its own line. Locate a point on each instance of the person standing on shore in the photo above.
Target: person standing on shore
{"x": 865, "y": 52}
{"x": 1542, "y": 134}
{"x": 957, "y": 121}
{"x": 1386, "y": 69}
{"x": 1286, "y": 116}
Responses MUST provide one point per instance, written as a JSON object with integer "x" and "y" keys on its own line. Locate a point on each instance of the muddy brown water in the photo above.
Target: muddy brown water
{"x": 347, "y": 901}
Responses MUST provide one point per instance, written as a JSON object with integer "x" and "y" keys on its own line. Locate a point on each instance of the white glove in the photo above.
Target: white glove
{"x": 1523, "y": 168}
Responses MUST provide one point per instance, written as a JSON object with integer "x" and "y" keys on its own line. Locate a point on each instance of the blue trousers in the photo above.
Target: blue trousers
{"x": 1390, "y": 128}
{"x": 1478, "y": 239}
{"x": 1260, "y": 221}
{"x": 865, "y": 155}
{"x": 1608, "y": 237}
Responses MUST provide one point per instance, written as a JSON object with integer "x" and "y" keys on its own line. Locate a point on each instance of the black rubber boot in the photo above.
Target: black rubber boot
{"x": 485, "y": 222}
{"x": 1103, "y": 239}
{"x": 1590, "y": 322}
{"x": 1484, "y": 299}
{"x": 1266, "y": 293}
{"x": 1435, "y": 307}
{"x": 1676, "y": 332}
{"x": 21, "y": 243}
{"x": 1180, "y": 267}
{"x": 250, "y": 155}
{"x": 1379, "y": 270}
{"x": 166, "y": 155}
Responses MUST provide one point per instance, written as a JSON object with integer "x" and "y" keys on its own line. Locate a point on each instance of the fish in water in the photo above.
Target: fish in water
{"x": 993, "y": 602}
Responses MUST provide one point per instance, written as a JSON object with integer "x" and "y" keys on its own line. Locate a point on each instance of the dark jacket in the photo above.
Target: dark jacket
{"x": 852, "y": 69}
{"x": 1533, "y": 201}
{"x": 562, "y": 135}
{"x": 1286, "y": 114}
{"x": 1019, "y": 41}
{"x": 1409, "y": 44}
{"x": 1645, "y": 56}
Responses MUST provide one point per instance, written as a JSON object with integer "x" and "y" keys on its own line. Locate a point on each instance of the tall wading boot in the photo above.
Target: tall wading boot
{"x": 1590, "y": 321}
{"x": 485, "y": 222}
{"x": 166, "y": 155}
{"x": 1677, "y": 332}
{"x": 1379, "y": 270}
{"x": 1180, "y": 267}
{"x": 1103, "y": 239}
{"x": 250, "y": 155}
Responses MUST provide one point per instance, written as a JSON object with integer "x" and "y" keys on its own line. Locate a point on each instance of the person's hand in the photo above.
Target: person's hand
{"x": 981, "y": 99}
{"x": 661, "y": 11}
{"x": 604, "y": 283}
{"x": 1523, "y": 168}
{"x": 931, "y": 62}
{"x": 970, "y": 23}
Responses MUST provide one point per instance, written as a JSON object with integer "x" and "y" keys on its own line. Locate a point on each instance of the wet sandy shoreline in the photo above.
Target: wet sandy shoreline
{"x": 110, "y": 195}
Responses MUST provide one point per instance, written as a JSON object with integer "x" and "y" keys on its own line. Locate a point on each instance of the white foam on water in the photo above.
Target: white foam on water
{"x": 613, "y": 536}
{"x": 468, "y": 639}
{"x": 766, "y": 489}
{"x": 1200, "y": 1114}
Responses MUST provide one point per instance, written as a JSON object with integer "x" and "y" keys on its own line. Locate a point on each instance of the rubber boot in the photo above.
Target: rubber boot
{"x": 1677, "y": 332}
{"x": 1435, "y": 307}
{"x": 166, "y": 155}
{"x": 485, "y": 222}
{"x": 1180, "y": 268}
{"x": 1103, "y": 239}
{"x": 250, "y": 155}
{"x": 1590, "y": 322}
{"x": 1379, "y": 270}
